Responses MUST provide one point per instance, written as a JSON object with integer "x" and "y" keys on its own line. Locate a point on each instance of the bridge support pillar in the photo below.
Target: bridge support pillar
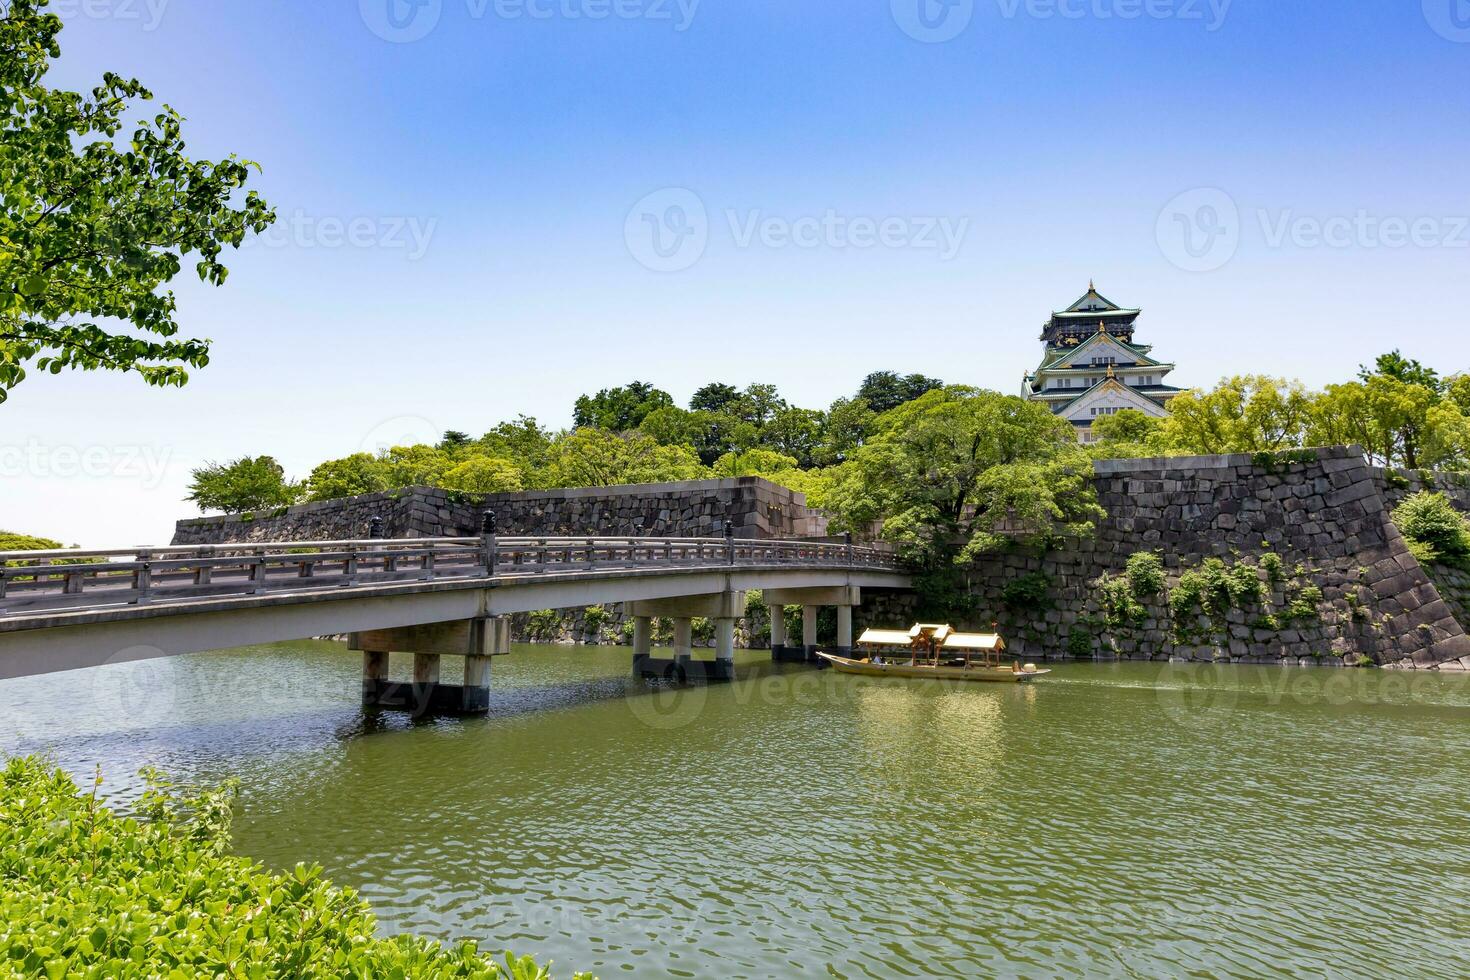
{"x": 723, "y": 608}
{"x": 683, "y": 640}
{"x": 374, "y": 674}
{"x": 426, "y": 668}
{"x": 642, "y": 642}
{"x": 809, "y": 631}
{"x": 778, "y": 632}
{"x": 844, "y": 631}
{"x": 477, "y": 640}
{"x": 725, "y": 647}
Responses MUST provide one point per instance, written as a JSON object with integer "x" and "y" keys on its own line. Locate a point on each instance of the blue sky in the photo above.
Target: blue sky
{"x": 468, "y": 217}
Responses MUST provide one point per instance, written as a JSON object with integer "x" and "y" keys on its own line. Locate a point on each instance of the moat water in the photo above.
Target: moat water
{"x": 1129, "y": 819}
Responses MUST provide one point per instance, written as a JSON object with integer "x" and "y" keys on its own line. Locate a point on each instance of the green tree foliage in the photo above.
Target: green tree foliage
{"x": 11, "y": 541}
{"x": 713, "y": 397}
{"x": 847, "y": 426}
{"x": 795, "y": 432}
{"x": 1405, "y": 370}
{"x": 753, "y": 462}
{"x": 483, "y": 474}
{"x": 1434, "y": 529}
{"x": 1389, "y": 418}
{"x": 347, "y": 477}
{"x": 886, "y": 390}
{"x": 591, "y": 457}
{"x": 244, "y": 484}
{"x": 959, "y": 471}
{"x": 1128, "y": 432}
{"x": 93, "y": 223}
{"x": 1243, "y": 414}
{"x": 619, "y": 409}
{"x": 89, "y": 893}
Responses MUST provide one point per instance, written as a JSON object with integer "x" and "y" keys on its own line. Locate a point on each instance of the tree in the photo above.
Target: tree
{"x": 619, "y": 409}
{"x": 710, "y": 434}
{"x": 347, "y": 477}
{"x": 523, "y": 442}
{"x": 713, "y": 397}
{"x": 590, "y": 457}
{"x": 242, "y": 485}
{"x": 1446, "y": 437}
{"x": 454, "y": 439}
{"x": 795, "y": 432}
{"x": 886, "y": 390}
{"x": 753, "y": 462}
{"x": 93, "y": 225}
{"x": 1394, "y": 365}
{"x": 758, "y": 405}
{"x": 958, "y": 470}
{"x": 1243, "y": 414}
{"x": 11, "y": 541}
{"x": 1384, "y": 415}
{"x": 1457, "y": 390}
{"x": 483, "y": 474}
{"x": 1128, "y": 425}
{"x": 846, "y": 427}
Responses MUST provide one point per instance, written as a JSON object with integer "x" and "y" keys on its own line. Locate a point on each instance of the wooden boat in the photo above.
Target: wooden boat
{"x": 935, "y": 651}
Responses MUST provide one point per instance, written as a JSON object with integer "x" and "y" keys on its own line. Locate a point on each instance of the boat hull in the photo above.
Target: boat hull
{"x": 994, "y": 675}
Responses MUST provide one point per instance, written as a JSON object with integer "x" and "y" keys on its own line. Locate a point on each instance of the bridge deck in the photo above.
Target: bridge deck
{"x": 61, "y": 610}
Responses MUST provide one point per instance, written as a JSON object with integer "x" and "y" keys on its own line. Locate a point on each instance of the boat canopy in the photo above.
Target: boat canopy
{"x": 885, "y": 638}
{"x": 974, "y": 641}
{"x": 943, "y": 636}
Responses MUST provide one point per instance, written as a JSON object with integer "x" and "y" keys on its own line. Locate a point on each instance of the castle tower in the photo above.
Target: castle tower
{"x": 1090, "y": 366}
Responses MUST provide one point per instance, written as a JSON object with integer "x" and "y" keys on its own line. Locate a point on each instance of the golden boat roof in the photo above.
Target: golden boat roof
{"x": 974, "y": 641}
{"x": 942, "y": 634}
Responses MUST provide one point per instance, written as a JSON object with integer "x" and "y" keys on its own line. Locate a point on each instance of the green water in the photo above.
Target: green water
{"x": 1135, "y": 819}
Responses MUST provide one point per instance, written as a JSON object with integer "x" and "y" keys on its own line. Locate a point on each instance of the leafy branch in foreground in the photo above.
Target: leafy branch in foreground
{"x": 88, "y": 893}
{"x": 93, "y": 224}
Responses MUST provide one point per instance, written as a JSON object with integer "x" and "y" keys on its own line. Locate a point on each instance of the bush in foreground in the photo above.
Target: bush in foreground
{"x": 87, "y": 893}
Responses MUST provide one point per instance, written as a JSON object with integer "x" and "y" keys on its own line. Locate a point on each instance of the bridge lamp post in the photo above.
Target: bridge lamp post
{"x": 487, "y": 540}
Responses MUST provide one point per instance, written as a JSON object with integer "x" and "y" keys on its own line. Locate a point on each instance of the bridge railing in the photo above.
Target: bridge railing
{"x": 37, "y": 581}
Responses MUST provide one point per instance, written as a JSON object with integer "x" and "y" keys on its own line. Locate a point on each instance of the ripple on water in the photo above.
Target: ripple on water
{"x": 1113, "y": 819}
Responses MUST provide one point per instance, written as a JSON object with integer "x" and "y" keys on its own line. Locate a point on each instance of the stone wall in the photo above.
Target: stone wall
{"x": 699, "y": 508}
{"x": 1346, "y": 587}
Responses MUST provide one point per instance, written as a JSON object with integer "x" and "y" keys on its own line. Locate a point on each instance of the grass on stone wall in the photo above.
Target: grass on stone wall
{"x": 1199, "y": 604}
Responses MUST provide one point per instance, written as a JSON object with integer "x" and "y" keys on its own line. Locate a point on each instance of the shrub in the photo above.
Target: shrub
{"x": 1027, "y": 592}
{"x": 543, "y": 624}
{"x": 10, "y": 541}
{"x": 1079, "y": 642}
{"x": 1431, "y": 522}
{"x": 1274, "y": 567}
{"x": 1121, "y": 608}
{"x": 91, "y": 894}
{"x": 1305, "y": 605}
{"x": 594, "y": 618}
{"x": 1146, "y": 573}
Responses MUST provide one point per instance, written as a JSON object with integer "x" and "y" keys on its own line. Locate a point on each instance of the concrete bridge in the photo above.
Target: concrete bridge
{"x": 429, "y": 597}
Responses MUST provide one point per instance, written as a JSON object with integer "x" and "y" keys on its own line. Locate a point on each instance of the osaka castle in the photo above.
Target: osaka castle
{"x": 1090, "y": 366}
